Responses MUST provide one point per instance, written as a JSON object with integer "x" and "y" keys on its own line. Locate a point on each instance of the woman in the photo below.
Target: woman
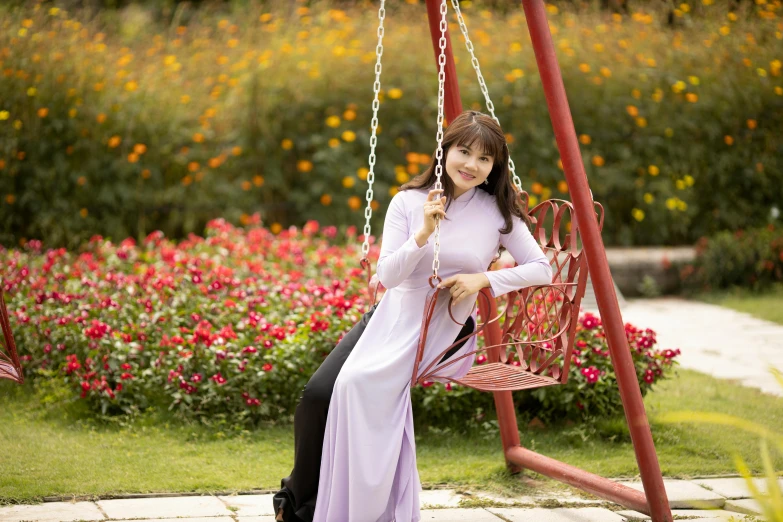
{"x": 368, "y": 457}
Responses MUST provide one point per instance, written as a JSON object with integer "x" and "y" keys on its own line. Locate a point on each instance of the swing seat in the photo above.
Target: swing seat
{"x": 10, "y": 367}
{"x": 537, "y": 324}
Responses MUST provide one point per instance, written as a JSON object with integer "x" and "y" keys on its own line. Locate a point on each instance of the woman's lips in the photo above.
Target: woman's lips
{"x": 466, "y": 176}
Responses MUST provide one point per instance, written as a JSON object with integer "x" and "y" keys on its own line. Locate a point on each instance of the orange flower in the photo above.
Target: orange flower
{"x": 198, "y": 137}
{"x": 236, "y": 151}
{"x": 326, "y": 200}
{"x": 752, "y": 124}
{"x": 304, "y": 166}
{"x": 354, "y": 202}
{"x": 193, "y": 166}
{"x": 145, "y": 173}
{"x": 114, "y": 141}
{"x": 258, "y": 180}
{"x": 83, "y": 212}
{"x": 133, "y": 157}
{"x": 139, "y": 148}
{"x": 537, "y": 188}
{"x": 43, "y": 112}
{"x": 598, "y": 161}
{"x": 246, "y": 185}
{"x": 100, "y": 118}
{"x": 728, "y": 140}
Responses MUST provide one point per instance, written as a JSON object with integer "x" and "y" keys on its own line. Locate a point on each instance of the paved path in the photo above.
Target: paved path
{"x": 714, "y": 340}
{"x": 707, "y": 500}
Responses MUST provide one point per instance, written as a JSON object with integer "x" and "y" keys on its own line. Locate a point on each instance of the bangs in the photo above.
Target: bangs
{"x": 478, "y": 137}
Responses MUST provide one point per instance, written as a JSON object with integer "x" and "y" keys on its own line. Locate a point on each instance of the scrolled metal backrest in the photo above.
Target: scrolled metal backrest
{"x": 10, "y": 367}
{"x": 540, "y": 322}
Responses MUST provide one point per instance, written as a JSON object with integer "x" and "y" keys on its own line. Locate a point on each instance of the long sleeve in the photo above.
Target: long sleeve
{"x": 534, "y": 268}
{"x": 399, "y": 252}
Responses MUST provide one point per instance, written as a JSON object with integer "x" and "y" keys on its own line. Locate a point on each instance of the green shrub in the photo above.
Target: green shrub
{"x": 746, "y": 258}
{"x": 120, "y": 122}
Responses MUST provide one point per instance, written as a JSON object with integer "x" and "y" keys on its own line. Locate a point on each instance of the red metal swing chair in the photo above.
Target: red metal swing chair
{"x": 529, "y": 343}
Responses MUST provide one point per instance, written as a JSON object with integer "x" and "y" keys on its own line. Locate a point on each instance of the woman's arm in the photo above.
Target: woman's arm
{"x": 400, "y": 252}
{"x": 534, "y": 268}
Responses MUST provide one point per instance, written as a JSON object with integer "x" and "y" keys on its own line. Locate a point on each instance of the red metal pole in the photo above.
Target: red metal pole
{"x": 504, "y": 403}
{"x": 579, "y": 189}
{"x": 452, "y": 103}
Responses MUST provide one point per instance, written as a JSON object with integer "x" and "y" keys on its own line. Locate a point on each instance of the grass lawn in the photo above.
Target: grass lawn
{"x": 52, "y": 451}
{"x": 768, "y": 305}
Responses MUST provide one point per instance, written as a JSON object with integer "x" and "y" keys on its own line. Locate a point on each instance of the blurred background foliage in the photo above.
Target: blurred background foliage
{"x": 119, "y": 118}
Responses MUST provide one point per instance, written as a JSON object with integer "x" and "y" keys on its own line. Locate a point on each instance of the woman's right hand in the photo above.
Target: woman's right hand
{"x": 434, "y": 208}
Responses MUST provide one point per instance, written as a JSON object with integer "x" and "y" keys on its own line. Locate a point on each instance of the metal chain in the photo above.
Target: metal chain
{"x": 374, "y": 126}
{"x": 484, "y": 90}
{"x": 439, "y": 151}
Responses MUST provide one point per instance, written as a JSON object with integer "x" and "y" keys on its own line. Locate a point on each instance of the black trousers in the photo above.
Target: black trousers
{"x": 299, "y": 490}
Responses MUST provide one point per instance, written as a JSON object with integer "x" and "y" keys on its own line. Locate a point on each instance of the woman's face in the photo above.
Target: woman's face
{"x": 467, "y": 167}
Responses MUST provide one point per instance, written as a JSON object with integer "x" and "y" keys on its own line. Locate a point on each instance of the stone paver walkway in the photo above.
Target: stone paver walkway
{"x": 704, "y": 499}
{"x": 714, "y": 340}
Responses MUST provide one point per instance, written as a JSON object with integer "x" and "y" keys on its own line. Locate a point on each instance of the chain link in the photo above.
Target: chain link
{"x": 490, "y": 106}
{"x": 374, "y": 127}
{"x": 444, "y": 26}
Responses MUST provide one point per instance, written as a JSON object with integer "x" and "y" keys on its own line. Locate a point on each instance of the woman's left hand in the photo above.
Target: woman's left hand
{"x": 462, "y": 286}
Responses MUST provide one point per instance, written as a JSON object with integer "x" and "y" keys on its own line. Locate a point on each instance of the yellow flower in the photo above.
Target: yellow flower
{"x": 725, "y": 30}
{"x": 402, "y": 177}
{"x": 638, "y": 214}
{"x": 131, "y": 86}
{"x": 599, "y": 48}
{"x": 258, "y": 180}
{"x": 648, "y": 198}
{"x": 114, "y": 141}
{"x": 641, "y": 122}
{"x": 72, "y": 113}
{"x": 653, "y": 170}
{"x": 668, "y": 132}
{"x": 605, "y": 72}
{"x": 598, "y": 161}
{"x": 585, "y": 139}
{"x": 393, "y": 191}
{"x": 585, "y": 68}
{"x": 689, "y": 181}
{"x": 681, "y": 205}
{"x": 349, "y": 181}
{"x": 83, "y": 212}
{"x": 4, "y": 115}
{"x": 287, "y": 144}
{"x": 694, "y": 80}
{"x": 362, "y": 173}
{"x": 32, "y": 91}
{"x": 333, "y": 121}
{"x": 395, "y": 93}
{"x": 354, "y": 203}
{"x": 533, "y": 200}
{"x": 18, "y": 124}
{"x": 334, "y": 142}
{"x": 680, "y": 184}
{"x": 326, "y": 200}
{"x": 184, "y": 99}
{"x": 304, "y": 166}
{"x": 779, "y": 91}
{"x": 236, "y": 151}
{"x": 349, "y": 135}
{"x": 671, "y": 203}
{"x": 679, "y": 86}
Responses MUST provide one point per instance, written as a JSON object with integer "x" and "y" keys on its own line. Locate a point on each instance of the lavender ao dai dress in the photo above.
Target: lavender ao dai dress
{"x": 368, "y": 464}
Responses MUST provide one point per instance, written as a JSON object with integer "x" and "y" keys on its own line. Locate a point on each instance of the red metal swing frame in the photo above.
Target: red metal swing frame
{"x": 653, "y": 501}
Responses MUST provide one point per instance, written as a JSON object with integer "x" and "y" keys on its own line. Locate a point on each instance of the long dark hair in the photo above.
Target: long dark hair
{"x": 467, "y": 129}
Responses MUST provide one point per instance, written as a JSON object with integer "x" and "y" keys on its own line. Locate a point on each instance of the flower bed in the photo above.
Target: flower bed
{"x": 232, "y": 325}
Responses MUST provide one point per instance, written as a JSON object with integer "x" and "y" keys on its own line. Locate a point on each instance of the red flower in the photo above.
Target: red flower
{"x": 267, "y": 367}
